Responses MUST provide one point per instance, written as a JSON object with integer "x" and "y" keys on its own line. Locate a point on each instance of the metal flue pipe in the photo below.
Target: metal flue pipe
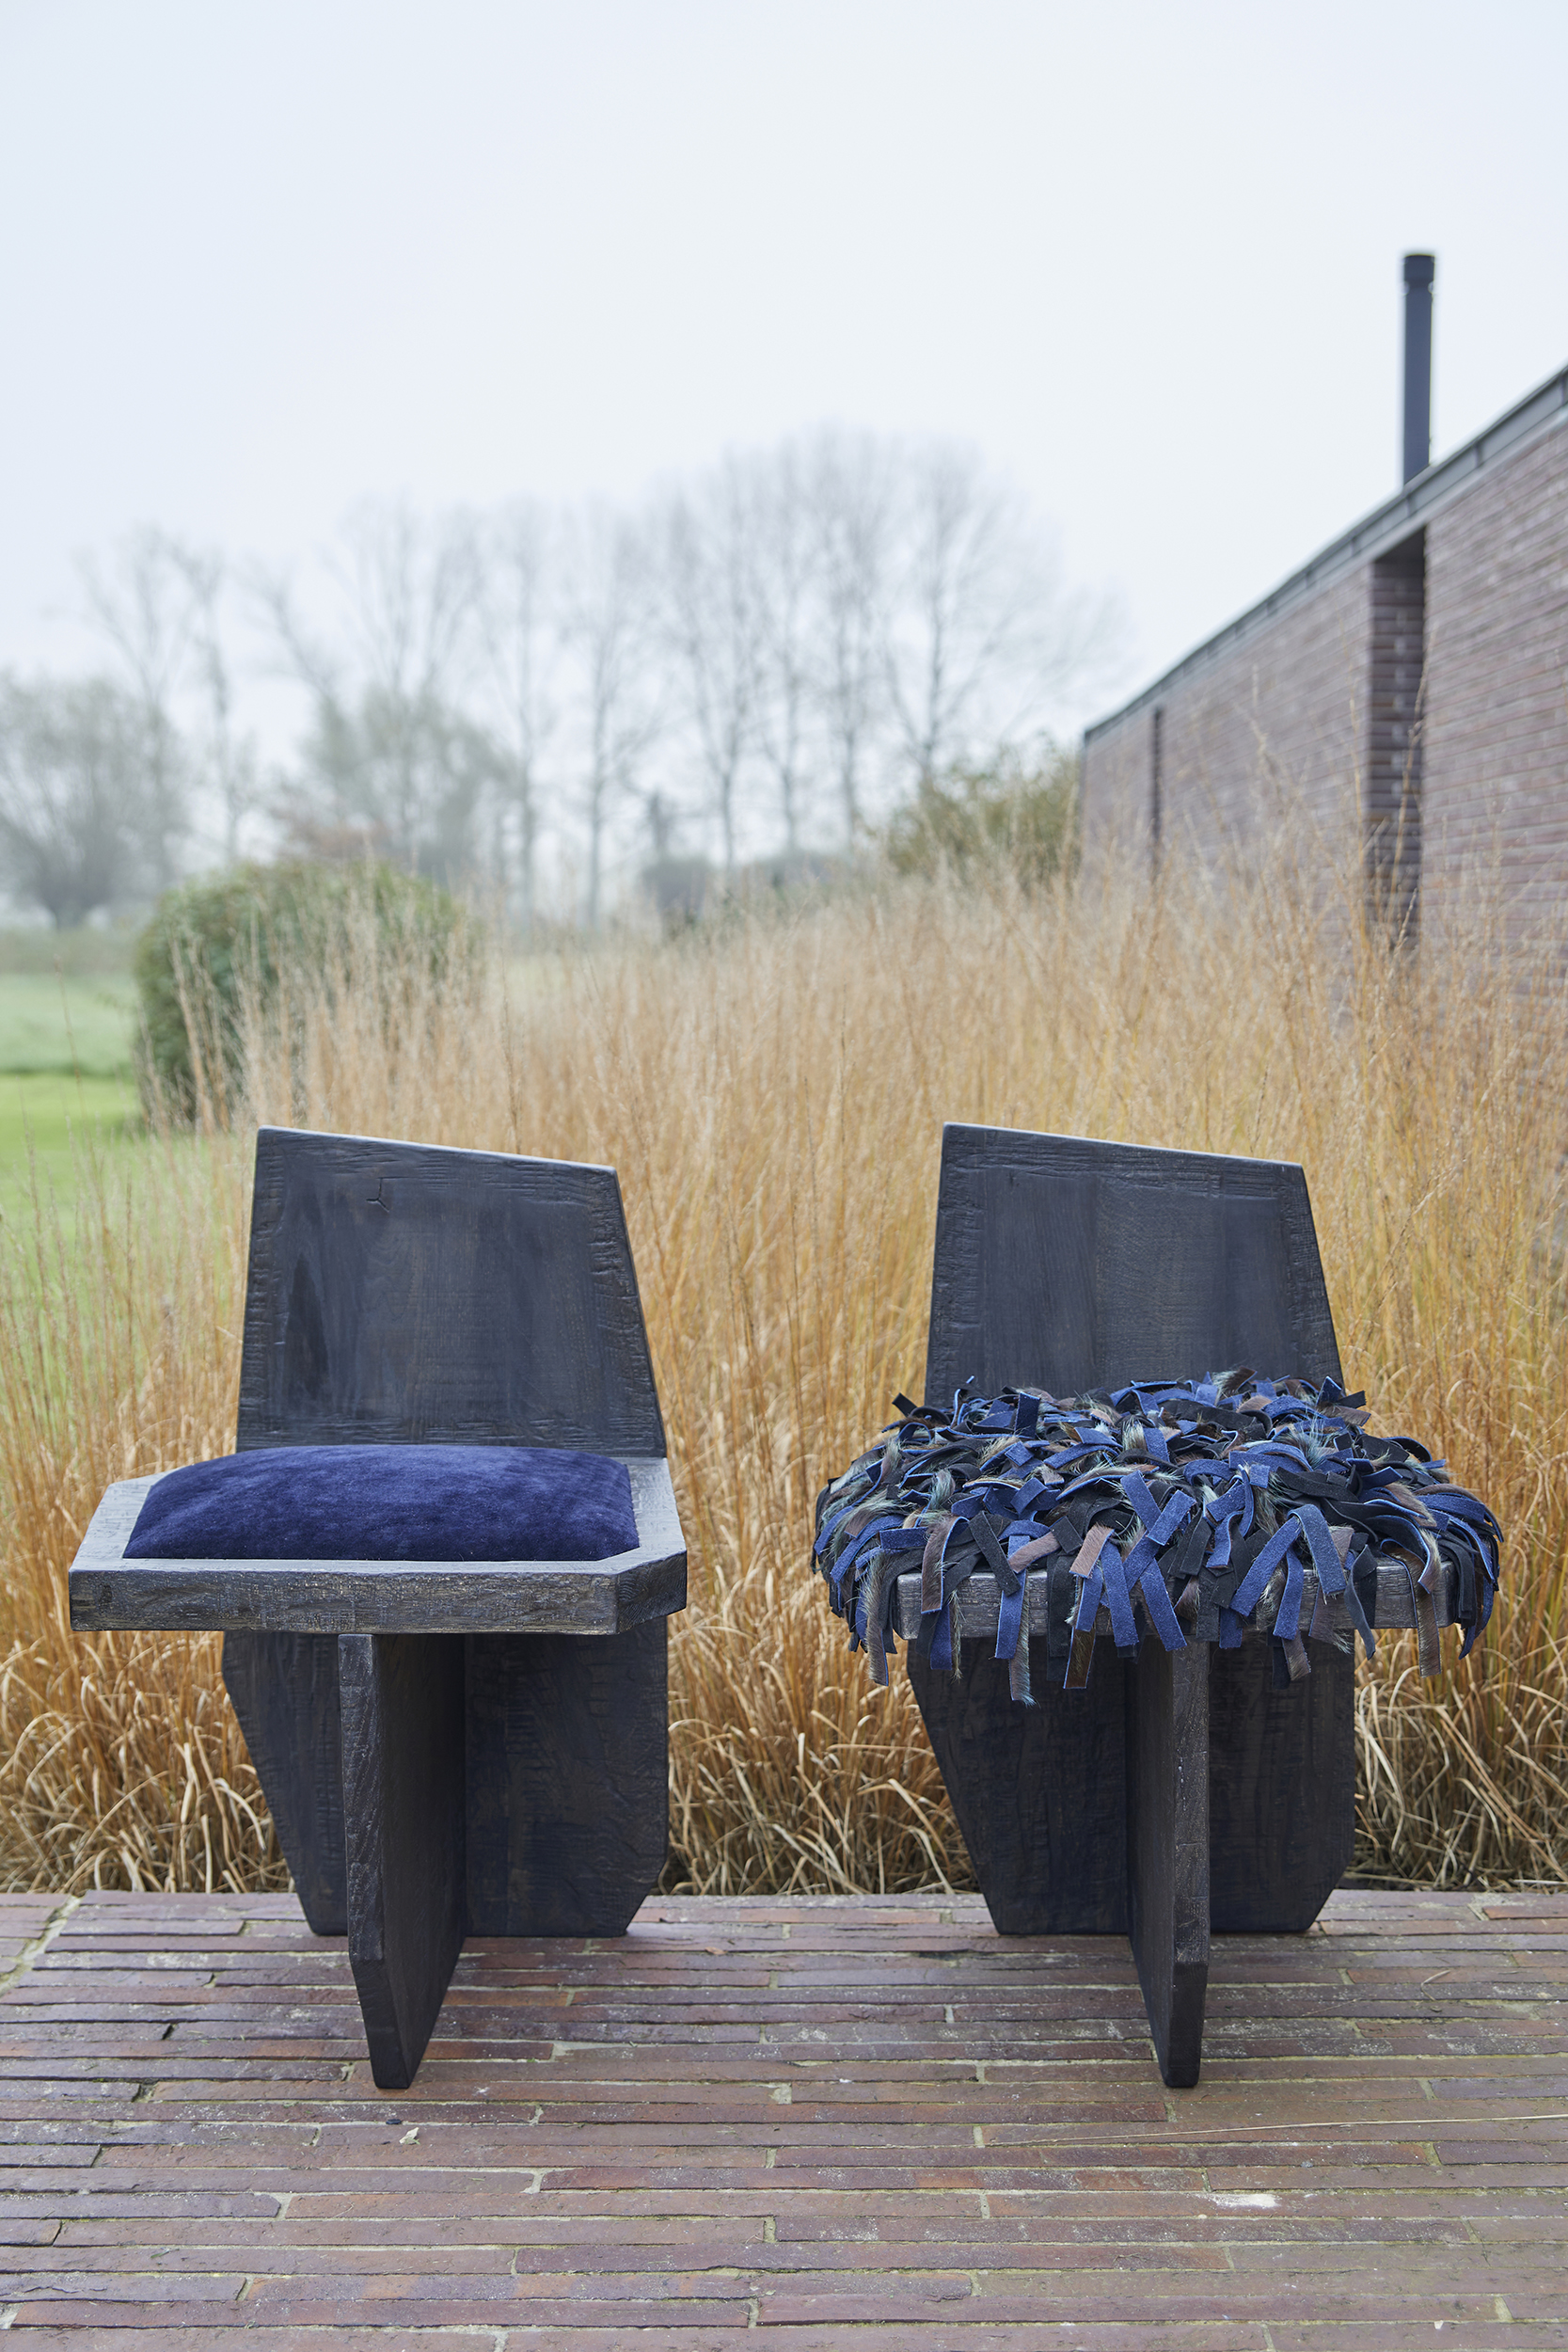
{"x": 1419, "y": 271}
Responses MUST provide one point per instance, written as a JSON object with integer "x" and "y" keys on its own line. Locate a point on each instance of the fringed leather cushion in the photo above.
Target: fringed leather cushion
{"x": 390, "y": 1503}
{"x": 1183, "y": 1509}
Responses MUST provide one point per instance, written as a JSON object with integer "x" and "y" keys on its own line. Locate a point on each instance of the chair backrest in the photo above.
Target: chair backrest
{"x": 404, "y": 1292}
{"x": 1070, "y": 1263}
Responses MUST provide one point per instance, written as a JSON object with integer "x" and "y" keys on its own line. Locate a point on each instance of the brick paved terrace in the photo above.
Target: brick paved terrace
{"x": 848, "y": 2123}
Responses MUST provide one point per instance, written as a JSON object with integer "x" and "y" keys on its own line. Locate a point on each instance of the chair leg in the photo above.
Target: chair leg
{"x": 402, "y": 1701}
{"x": 1282, "y": 1789}
{"x": 1167, "y": 1848}
{"x": 568, "y": 1779}
{"x": 284, "y": 1689}
{"x": 1037, "y": 1790}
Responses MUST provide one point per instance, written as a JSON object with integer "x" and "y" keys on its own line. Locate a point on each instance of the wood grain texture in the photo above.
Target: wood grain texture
{"x": 567, "y": 1780}
{"x": 403, "y": 1803}
{"x": 1281, "y": 1785}
{"x": 1038, "y": 1791}
{"x": 1075, "y": 1264}
{"x": 401, "y": 1291}
{"x": 1167, "y": 1848}
{"x": 1070, "y": 1263}
{"x": 284, "y": 1690}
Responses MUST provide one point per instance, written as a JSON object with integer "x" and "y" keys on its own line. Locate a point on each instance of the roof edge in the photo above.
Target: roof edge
{"x": 1397, "y": 519}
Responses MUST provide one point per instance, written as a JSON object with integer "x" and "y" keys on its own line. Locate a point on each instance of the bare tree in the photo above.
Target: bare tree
{"x": 144, "y": 607}
{"x": 977, "y": 631}
{"x": 408, "y": 592}
{"x": 608, "y": 617}
{"x": 231, "y": 764}
{"x": 520, "y": 630}
{"x": 74, "y": 805}
{"x": 710, "y": 623}
{"x": 799, "y": 626}
{"x": 398, "y": 764}
{"x": 850, "y": 504}
{"x": 785, "y": 576}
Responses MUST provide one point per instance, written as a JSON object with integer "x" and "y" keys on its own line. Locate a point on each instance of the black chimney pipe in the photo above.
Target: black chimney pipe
{"x": 1419, "y": 271}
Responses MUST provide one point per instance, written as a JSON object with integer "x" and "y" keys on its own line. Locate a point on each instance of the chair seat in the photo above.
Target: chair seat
{"x": 980, "y": 1604}
{"x": 116, "y": 1584}
{"x": 389, "y": 1502}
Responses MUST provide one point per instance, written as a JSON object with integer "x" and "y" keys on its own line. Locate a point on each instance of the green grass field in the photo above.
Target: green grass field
{"x": 65, "y": 1070}
{"x": 50, "y": 1022}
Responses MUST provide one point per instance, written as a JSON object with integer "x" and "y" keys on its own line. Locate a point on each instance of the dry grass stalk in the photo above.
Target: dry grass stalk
{"x": 772, "y": 1091}
{"x": 120, "y": 1762}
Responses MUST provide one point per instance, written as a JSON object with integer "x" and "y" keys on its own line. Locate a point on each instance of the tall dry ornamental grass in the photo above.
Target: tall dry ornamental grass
{"x": 772, "y": 1090}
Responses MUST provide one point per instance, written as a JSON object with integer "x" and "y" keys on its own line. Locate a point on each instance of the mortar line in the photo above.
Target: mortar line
{"x": 33, "y": 1951}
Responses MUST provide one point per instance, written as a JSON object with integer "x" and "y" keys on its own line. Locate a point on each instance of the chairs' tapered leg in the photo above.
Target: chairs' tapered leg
{"x": 1282, "y": 1792}
{"x": 568, "y": 1779}
{"x": 402, "y": 1701}
{"x": 1037, "y": 1790}
{"x": 284, "y": 1689}
{"x": 1167, "y": 1848}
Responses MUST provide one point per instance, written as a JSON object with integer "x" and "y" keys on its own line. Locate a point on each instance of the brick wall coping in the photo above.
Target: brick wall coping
{"x": 1540, "y": 412}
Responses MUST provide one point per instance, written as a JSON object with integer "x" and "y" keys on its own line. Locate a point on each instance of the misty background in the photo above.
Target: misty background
{"x": 542, "y": 444}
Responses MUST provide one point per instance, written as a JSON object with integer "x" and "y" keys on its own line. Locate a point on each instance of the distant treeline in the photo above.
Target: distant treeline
{"x": 542, "y": 704}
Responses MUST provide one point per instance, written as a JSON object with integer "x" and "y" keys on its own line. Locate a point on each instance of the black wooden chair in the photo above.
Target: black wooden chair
{"x": 447, "y": 1747}
{"x": 1179, "y": 1792}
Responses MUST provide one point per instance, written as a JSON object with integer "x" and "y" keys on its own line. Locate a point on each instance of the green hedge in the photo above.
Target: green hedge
{"x": 211, "y": 942}
{"x": 1016, "y": 815}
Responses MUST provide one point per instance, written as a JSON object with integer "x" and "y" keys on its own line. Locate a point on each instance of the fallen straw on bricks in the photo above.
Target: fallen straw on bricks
{"x": 1189, "y": 1509}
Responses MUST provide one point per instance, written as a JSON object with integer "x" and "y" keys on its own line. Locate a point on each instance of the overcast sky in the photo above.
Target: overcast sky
{"x": 259, "y": 260}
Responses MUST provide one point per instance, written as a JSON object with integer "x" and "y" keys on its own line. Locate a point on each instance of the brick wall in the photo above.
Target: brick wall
{"x": 1393, "y": 746}
{"x": 1271, "y": 729}
{"x": 1328, "y": 717}
{"x": 1495, "y": 781}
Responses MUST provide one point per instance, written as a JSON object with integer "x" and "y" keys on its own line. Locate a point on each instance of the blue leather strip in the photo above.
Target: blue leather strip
{"x": 1021, "y": 1476}
{"x": 1250, "y": 1591}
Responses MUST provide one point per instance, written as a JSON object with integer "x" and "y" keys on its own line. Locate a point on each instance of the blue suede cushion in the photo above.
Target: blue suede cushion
{"x": 389, "y": 1502}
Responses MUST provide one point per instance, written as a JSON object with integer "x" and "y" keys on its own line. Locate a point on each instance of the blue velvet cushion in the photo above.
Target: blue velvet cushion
{"x": 389, "y": 1502}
